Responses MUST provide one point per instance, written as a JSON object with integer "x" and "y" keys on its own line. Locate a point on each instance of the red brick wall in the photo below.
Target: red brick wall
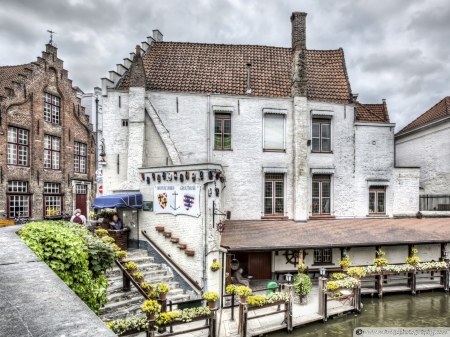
{"x": 25, "y": 109}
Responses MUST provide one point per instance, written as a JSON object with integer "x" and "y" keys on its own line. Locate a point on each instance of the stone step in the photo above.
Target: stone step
{"x": 135, "y": 253}
{"x": 140, "y": 260}
{"x": 126, "y": 295}
{"x": 147, "y": 278}
{"x": 142, "y": 268}
{"x": 117, "y": 288}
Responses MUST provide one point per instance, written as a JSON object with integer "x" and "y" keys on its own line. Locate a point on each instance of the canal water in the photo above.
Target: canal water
{"x": 428, "y": 309}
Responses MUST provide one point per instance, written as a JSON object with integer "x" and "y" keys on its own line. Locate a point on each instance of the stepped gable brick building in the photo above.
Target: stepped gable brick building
{"x": 47, "y": 147}
{"x": 425, "y": 143}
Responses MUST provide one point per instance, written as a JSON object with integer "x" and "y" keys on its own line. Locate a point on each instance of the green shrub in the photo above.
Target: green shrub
{"x": 306, "y": 285}
{"x": 74, "y": 255}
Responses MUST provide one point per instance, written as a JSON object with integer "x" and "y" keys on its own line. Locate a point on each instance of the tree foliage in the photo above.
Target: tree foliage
{"x": 77, "y": 257}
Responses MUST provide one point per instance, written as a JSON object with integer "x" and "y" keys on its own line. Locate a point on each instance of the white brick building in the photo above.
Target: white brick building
{"x": 281, "y": 125}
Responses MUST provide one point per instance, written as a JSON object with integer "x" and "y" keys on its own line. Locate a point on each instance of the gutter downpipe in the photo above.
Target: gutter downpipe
{"x": 209, "y": 131}
{"x": 96, "y": 143}
{"x": 204, "y": 236}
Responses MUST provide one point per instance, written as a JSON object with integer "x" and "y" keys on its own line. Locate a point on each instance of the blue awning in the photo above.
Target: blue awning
{"x": 132, "y": 200}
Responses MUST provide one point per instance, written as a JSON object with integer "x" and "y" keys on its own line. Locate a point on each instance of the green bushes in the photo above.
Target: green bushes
{"x": 306, "y": 285}
{"x": 74, "y": 255}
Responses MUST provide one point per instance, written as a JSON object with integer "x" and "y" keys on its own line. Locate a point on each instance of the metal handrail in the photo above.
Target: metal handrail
{"x": 172, "y": 262}
{"x": 131, "y": 279}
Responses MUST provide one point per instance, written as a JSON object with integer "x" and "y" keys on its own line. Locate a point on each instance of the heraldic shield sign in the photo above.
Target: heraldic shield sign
{"x": 182, "y": 199}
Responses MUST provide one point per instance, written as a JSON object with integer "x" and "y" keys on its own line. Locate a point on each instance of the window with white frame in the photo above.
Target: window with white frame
{"x": 322, "y": 256}
{"x": 17, "y": 146}
{"x": 222, "y": 132}
{"x": 52, "y": 199}
{"x": 274, "y": 132}
{"x": 321, "y": 194}
{"x": 52, "y": 152}
{"x": 80, "y": 189}
{"x": 321, "y": 135}
{"x": 18, "y": 202}
{"x": 51, "y": 108}
{"x": 377, "y": 200}
{"x": 80, "y": 157}
{"x": 274, "y": 194}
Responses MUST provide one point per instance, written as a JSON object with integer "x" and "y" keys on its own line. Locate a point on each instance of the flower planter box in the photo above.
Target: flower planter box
{"x": 174, "y": 240}
{"x": 120, "y": 237}
{"x": 182, "y": 245}
{"x": 189, "y": 252}
{"x": 159, "y": 228}
{"x": 167, "y": 234}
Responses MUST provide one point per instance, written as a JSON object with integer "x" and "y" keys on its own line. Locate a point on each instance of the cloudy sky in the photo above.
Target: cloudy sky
{"x": 398, "y": 50}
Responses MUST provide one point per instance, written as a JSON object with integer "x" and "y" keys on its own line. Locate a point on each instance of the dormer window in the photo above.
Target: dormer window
{"x": 51, "y": 109}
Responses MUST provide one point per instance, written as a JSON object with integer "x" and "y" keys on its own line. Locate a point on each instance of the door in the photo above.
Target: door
{"x": 260, "y": 265}
{"x": 81, "y": 199}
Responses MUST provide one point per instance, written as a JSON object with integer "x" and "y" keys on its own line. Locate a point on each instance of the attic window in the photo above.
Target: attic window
{"x": 124, "y": 122}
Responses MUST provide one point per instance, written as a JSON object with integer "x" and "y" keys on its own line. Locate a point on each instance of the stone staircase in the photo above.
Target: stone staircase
{"x": 128, "y": 304}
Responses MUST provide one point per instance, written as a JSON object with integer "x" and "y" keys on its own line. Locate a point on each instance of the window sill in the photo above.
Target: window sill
{"x": 377, "y": 215}
{"x": 322, "y": 152}
{"x": 274, "y": 217}
{"x": 281, "y": 151}
{"x": 323, "y": 264}
{"x": 222, "y": 149}
{"x": 322, "y": 217}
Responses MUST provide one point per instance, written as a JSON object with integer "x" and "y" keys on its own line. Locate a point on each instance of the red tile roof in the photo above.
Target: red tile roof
{"x": 438, "y": 111}
{"x": 372, "y": 113}
{"x": 209, "y": 68}
{"x": 280, "y": 235}
{"x": 8, "y": 74}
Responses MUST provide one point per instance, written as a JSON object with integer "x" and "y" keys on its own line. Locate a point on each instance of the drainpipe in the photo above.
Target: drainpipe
{"x": 96, "y": 131}
{"x": 204, "y": 235}
{"x": 209, "y": 130}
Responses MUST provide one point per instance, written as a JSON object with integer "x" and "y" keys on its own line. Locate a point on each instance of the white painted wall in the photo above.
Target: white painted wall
{"x": 428, "y": 149}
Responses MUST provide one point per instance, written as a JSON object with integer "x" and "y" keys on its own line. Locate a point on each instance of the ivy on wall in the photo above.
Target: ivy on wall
{"x": 77, "y": 257}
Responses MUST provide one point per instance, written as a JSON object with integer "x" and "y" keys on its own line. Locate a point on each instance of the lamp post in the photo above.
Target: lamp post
{"x": 322, "y": 272}
{"x": 445, "y": 254}
{"x": 288, "y": 277}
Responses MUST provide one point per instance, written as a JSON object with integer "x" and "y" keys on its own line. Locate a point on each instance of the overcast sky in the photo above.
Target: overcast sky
{"x": 394, "y": 49}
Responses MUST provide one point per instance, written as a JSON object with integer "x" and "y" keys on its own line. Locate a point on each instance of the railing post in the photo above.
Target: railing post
{"x": 126, "y": 285}
{"x": 214, "y": 322}
{"x": 232, "y": 306}
{"x": 163, "y": 304}
{"x": 414, "y": 288}
{"x": 380, "y": 284}
{"x": 289, "y": 291}
{"x": 242, "y": 325}
{"x": 279, "y": 290}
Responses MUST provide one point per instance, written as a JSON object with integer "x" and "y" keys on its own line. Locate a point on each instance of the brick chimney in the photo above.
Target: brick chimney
{"x": 137, "y": 71}
{"x": 298, "y": 20}
{"x": 299, "y": 80}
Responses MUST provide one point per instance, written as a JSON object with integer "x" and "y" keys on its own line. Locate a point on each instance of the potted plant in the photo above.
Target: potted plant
{"x": 211, "y": 297}
{"x": 92, "y": 215}
{"x": 131, "y": 267}
{"x": 162, "y": 289}
{"x": 231, "y": 289}
{"x": 380, "y": 262}
{"x": 356, "y": 272}
{"x": 301, "y": 268}
{"x": 345, "y": 263}
{"x": 150, "y": 308}
{"x": 153, "y": 295}
{"x": 101, "y": 232}
{"x": 147, "y": 287}
{"x": 302, "y": 286}
{"x": 243, "y": 292}
{"x": 215, "y": 266}
{"x": 412, "y": 260}
{"x": 121, "y": 255}
{"x": 138, "y": 277}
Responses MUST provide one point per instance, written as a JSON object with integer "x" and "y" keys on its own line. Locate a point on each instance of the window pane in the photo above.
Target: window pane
{"x": 17, "y": 186}
{"x": 326, "y": 130}
{"x": 315, "y": 205}
{"x": 325, "y": 205}
{"x": 52, "y": 205}
{"x": 218, "y": 126}
{"x": 381, "y": 199}
{"x": 326, "y": 255}
{"x": 83, "y": 149}
{"x": 23, "y": 137}
{"x": 273, "y": 132}
{"x": 326, "y": 189}
{"x": 12, "y": 154}
{"x": 47, "y": 159}
{"x": 218, "y": 141}
{"x": 18, "y": 206}
{"x": 279, "y": 206}
{"x": 279, "y": 189}
{"x": 55, "y": 116}
{"x": 268, "y": 190}
{"x": 55, "y": 160}
{"x": 315, "y": 189}
{"x": 47, "y": 98}
{"x": 326, "y": 145}
{"x": 268, "y": 193}
{"x": 227, "y": 141}
{"x": 227, "y": 126}
{"x": 55, "y": 145}
{"x": 12, "y": 135}
{"x": 317, "y": 255}
{"x": 47, "y": 112}
{"x": 371, "y": 202}
{"x": 326, "y": 197}
{"x": 23, "y": 155}
{"x": 316, "y": 130}
{"x": 82, "y": 164}
{"x": 268, "y": 206}
{"x": 75, "y": 162}
{"x": 47, "y": 142}
{"x": 76, "y": 148}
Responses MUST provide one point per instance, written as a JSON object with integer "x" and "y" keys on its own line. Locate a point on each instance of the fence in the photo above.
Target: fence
{"x": 434, "y": 202}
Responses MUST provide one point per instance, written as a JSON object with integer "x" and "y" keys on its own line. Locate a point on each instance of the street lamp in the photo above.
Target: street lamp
{"x": 445, "y": 254}
{"x": 322, "y": 272}
{"x": 288, "y": 277}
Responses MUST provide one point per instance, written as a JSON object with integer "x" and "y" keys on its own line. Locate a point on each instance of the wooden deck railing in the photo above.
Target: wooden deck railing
{"x": 173, "y": 263}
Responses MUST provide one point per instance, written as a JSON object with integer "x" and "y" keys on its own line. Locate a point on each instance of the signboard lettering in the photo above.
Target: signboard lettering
{"x": 177, "y": 200}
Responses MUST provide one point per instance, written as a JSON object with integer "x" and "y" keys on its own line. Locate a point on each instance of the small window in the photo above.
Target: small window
{"x": 52, "y": 202}
{"x": 321, "y": 135}
{"x": 52, "y": 152}
{"x": 274, "y": 194}
{"x": 273, "y": 132}
{"x": 80, "y": 151}
{"x": 222, "y": 132}
{"x": 18, "y": 203}
{"x": 51, "y": 108}
{"x": 322, "y": 255}
{"x": 377, "y": 200}
{"x": 124, "y": 122}
{"x": 17, "y": 146}
{"x": 321, "y": 194}
{"x": 80, "y": 189}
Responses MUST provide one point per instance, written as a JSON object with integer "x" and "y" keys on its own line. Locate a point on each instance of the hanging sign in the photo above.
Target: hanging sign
{"x": 182, "y": 199}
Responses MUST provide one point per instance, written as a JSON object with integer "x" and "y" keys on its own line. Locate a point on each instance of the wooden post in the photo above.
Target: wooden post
{"x": 321, "y": 286}
{"x": 163, "y": 304}
{"x": 242, "y": 325}
{"x": 323, "y": 298}
{"x": 414, "y": 282}
{"x": 380, "y": 284}
{"x": 126, "y": 284}
{"x": 290, "y": 292}
{"x": 300, "y": 256}
{"x": 232, "y": 307}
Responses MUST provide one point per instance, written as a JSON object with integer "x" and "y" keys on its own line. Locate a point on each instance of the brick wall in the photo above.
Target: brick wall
{"x": 27, "y": 112}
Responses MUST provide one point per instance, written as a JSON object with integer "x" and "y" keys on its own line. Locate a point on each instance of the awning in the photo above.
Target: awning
{"x": 275, "y": 111}
{"x": 129, "y": 200}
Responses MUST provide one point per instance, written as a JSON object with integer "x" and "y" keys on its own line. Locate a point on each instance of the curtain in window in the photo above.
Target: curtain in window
{"x": 273, "y": 132}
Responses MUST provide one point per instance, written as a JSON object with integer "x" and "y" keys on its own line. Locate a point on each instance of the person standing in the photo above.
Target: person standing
{"x": 78, "y": 218}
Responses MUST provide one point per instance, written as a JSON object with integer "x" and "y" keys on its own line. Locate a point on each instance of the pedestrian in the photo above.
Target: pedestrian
{"x": 116, "y": 223}
{"x": 78, "y": 218}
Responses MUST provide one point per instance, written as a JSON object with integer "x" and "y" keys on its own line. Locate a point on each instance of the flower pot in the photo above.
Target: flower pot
{"x": 140, "y": 281}
{"x": 134, "y": 271}
{"x": 162, "y": 296}
{"x": 244, "y": 299}
{"x": 301, "y": 271}
{"x": 215, "y": 269}
{"x": 212, "y": 305}
{"x": 344, "y": 268}
{"x": 151, "y": 316}
{"x": 380, "y": 266}
{"x": 356, "y": 277}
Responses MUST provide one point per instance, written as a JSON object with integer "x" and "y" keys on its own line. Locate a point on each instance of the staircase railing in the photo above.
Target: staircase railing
{"x": 172, "y": 262}
{"x": 127, "y": 279}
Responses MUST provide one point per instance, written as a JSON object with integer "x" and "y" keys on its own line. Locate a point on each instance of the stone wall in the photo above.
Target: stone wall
{"x": 406, "y": 191}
